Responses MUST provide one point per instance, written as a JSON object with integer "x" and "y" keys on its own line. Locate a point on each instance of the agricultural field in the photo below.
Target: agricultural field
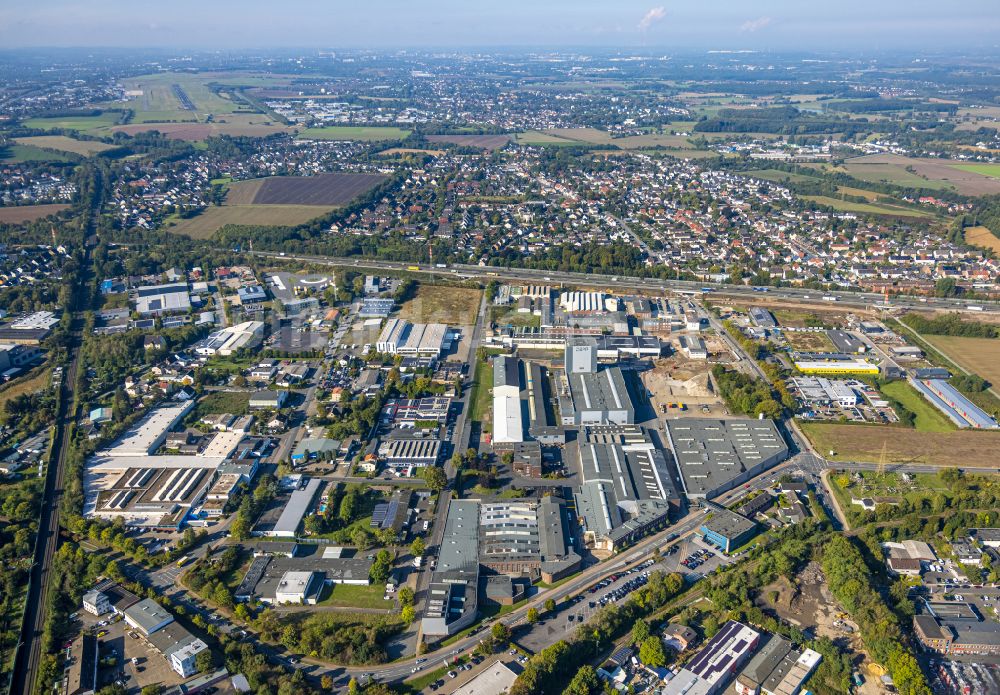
{"x": 236, "y": 125}
{"x": 926, "y": 173}
{"x": 779, "y": 176}
{"x": 990, "y": 170}
{"x": 537, "y": 137}
{"x": 867, "y": 208}
{"x": 982, "y": 237}
{"x": 487, "y": 142}
{"x": 84, "y": 124}
{"x": 928, "y": 418}
{"x": 210, "y": 221}
{"x": 455, "y": 306}
{"x": 13, "y": 154}
{"x": 350, "y": 132}
{"x": 29, "y": 213}
{"x": 325, "y": 189}
{"x": 84, "y": 148}
{"x": 980, "y": 356}
{"x": 403, "y": 151}
{"x": 965, "y": 449}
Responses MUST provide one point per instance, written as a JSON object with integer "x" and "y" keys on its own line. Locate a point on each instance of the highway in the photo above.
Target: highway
{"x": 649, "y": 285}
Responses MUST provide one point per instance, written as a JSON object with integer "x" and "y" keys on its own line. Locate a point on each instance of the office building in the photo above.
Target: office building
{"x": 727, "y": 530}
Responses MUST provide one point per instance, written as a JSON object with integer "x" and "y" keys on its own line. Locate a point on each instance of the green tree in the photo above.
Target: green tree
{"x": 500, "y": 633}
{"x": 651, "y": 652}
{"x": 408, "y": 614}
{"x": 584, "y": 682}
{"x": 435, "y": 477}
{"x": 204, "y": 661}
{"x": 532, "y": 615}
{"x": 550, "y": 605}
{"x": 405, "y": 596}
{"x": 417, "y": 547}
{"x": 640, "y": 632}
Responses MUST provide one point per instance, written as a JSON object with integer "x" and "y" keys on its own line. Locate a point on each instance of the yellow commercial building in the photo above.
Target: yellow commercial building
{"x": 837, "y": 367}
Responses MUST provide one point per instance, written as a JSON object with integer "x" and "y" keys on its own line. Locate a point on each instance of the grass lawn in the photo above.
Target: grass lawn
{"x": 84, "y": 124}
{"x": 27, "y": 213}
{"x": 355, "y": 596}
{"x": 929, "y": 418}
{"x": 213, "y": 218}
{"x": 233, "y": 402}
{"x": 350, "y": 132}
{"x": 34, "y": 383}
{"x": 480, "y": 402}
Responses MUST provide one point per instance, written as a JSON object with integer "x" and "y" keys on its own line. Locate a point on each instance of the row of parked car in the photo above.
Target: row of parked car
{"x": 697, "y": 558}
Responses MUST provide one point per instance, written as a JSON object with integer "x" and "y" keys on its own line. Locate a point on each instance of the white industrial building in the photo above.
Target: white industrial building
{"x": 587, "y": 302}
{"x": 400, "y": 337}
{"x": 246, "y": 335}
{"x": 508, "y": 423}
{"x": 822, "y": 390}
{"x": 152, "y": 300}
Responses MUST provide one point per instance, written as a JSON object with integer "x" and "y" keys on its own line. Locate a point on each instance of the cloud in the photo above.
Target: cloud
{"x": 652, "y": 17}
{"x": 752, "y": 25}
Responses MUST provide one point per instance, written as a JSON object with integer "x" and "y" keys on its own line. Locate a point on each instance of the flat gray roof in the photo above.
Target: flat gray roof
{"x": 460, "y": 542}
{"x": 712, "y": 453}
{"x": 728, "y": 524}
{"x": 295, "y": 509}
{"x": 505, "y": 372}
{"x": 604, "y": 390}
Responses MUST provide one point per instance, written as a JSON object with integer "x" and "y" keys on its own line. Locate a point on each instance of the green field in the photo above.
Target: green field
{"x": 535, "y": 137}
{"x": 84, "y": 124}
{"x": 29, "y": 153}
{"x": 355, "y": 596}
{"x": 867, "y": 208}
{"x": 929, "y": 418}
{"x": 350, "y": 132}
{"x": 84, "y": 148}
{"x": 991, "y": 170}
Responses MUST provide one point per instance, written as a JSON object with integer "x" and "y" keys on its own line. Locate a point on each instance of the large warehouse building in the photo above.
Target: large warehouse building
{"x": 452, "y": 596}
{"x": 400, "y": 337}
{"x": 527, "y": 538}
{"x": 626, "y": 491}
{"x": 592, "y": 395}
{"x": 714, "y": 456}
{"x": 508, "y": 423}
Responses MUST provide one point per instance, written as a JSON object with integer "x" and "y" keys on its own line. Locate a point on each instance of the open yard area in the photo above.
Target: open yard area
{"x": 808, "y": 342}
{"x": 65, "y": 144}
{"x": 216, "y": 402}
{"x": 326, "y": 189}
{"x": 455, "y": 306}
{"x": 928, "y": 418}
{"x": 31, "y": 384}
{"x": 982, "y": 237}
{"x": 27, "y": 213}
{"x": 214, "y": 218}
{"x": 352, "y": 132}
{"x": 962, "y": 449}
{"x": 979, "y": 355}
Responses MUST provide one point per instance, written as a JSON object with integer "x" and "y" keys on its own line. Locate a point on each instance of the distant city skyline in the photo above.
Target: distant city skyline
{"x": 656, "y": 24}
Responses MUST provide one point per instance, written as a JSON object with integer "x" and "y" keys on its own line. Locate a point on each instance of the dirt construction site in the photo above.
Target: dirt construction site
{"x": 806, "y": 602}
{"x": 677, "y": 380}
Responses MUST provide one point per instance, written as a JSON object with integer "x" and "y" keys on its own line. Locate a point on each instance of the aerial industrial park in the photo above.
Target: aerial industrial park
{"x": 557, "y": 371}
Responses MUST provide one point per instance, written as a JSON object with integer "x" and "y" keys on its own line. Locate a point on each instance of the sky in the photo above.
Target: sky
{"x": 849, "y": 25}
